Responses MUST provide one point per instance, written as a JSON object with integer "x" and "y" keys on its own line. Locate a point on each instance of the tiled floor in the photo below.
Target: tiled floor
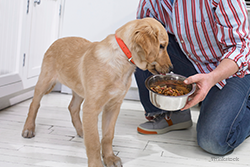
{"x": 56, "y": 143}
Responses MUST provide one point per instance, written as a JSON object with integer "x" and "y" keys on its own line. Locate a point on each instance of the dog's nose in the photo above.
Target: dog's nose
{"x": 171, "y": 68}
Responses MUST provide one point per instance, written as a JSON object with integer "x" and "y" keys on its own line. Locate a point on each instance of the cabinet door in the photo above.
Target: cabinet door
{"x": 27, "y": 28}
{"x": 44, "y": 31}
{"x": 11, "y": 20}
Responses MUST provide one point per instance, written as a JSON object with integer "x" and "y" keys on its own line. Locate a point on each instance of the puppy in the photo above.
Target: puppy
{"x": 100, "y": 74}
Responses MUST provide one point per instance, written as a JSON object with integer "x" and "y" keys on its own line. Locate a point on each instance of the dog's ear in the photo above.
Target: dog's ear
{"x": 147, "y": 39}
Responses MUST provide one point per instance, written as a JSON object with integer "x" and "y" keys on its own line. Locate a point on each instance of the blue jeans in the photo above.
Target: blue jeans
{"x": 224, "y": 120}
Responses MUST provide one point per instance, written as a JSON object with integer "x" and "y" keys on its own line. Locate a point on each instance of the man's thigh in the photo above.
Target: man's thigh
{"x": 224, "y": 115}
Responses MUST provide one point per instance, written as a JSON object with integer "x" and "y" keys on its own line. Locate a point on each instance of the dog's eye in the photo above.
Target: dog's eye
{"x": 162, "y": 47}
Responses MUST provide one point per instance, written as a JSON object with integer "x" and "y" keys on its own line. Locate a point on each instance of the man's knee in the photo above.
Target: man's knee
{"x": 213, "y": 143}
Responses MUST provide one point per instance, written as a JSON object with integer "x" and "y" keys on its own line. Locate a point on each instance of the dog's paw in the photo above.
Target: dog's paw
{"x": 28, "y": 133}
{"x": 112, "y": 161}
{"x": 80, "y": 133}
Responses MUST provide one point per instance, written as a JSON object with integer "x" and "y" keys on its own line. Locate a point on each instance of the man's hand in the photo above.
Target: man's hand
{"x": 204, "y": 82}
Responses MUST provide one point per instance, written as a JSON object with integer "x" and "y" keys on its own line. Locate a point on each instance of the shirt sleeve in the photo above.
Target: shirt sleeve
{"x": 143, "y": 10}
{"x": 232, "y": 32}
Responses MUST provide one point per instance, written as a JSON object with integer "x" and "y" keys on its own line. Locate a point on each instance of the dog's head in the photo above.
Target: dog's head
{"x": 148, "y": 42}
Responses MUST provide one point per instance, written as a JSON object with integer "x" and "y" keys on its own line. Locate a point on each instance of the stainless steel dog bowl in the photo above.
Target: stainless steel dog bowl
{"x": 169, "y": 103}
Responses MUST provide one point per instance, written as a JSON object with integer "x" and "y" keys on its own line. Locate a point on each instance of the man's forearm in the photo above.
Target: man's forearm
{"x": 225, "y": 69}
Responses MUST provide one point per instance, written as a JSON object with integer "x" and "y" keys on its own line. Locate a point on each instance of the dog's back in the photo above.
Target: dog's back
{"x": 66, "y": 50}
{"x": 61, "y": 56}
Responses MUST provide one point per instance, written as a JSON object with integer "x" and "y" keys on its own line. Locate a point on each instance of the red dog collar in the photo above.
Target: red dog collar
{"x": 124, "y": 49}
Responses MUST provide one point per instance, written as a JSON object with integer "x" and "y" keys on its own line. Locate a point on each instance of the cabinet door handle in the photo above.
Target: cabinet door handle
{"x": 37, "y": 2}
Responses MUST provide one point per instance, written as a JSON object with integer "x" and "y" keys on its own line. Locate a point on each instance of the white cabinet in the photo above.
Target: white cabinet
{"x": 27, "y": 28}
{"x": 11, "y": 18}
{"x": 43, "y": 31}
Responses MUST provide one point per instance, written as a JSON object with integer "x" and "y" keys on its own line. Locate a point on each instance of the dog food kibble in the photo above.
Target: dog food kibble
{"x": 167, "y": 90}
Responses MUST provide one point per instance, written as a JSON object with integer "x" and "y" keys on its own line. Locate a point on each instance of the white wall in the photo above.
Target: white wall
{"x": 96, "y": 19}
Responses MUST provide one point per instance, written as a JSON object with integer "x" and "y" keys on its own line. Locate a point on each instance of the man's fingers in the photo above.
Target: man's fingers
{"x": 193, "y": 79}
{"x": 194, "y": 99}
{"x": 191, "y": 103}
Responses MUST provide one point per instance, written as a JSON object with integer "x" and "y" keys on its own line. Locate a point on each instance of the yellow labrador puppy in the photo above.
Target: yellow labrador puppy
{"x": 100, "y": 73}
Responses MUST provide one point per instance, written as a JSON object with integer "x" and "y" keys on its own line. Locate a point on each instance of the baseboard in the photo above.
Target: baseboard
{"x": 15, "y": 98}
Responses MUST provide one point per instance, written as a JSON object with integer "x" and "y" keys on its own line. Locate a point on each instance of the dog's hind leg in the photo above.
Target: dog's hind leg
{"x": 109, "y": 117}
{"x": 43, "y": 86}
{"x": 74, "y": 108}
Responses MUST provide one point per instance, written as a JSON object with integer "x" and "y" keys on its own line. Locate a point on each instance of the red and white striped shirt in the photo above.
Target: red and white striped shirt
{"x": 207, "y": 31}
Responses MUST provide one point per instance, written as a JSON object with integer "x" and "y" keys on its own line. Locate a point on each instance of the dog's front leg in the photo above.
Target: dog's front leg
{"x": 91, "y": 135}
{"x": 109, "y": 117}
